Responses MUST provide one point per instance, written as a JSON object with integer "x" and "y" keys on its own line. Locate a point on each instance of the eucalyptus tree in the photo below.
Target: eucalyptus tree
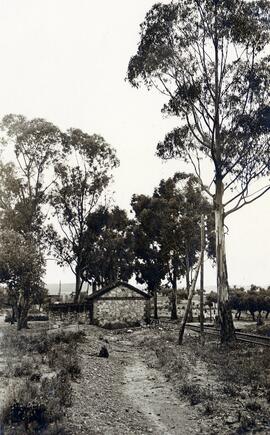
{"x": 34, "y": 146}
{"x": 109, "y": 253}
{"x": 171, "y": 221}
{"x": 209, "y": 59}
{"x": 150, "y": 264}
{"x": 21, "y": 268}
{"x": 82, "y": 174}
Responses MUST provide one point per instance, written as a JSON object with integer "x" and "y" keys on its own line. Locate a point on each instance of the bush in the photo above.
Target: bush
{"x": 34, "y": 410}
{"x": 230, "y": 390}
{"x": 57, "y": 390}
{"x": 37, "y": 406}
{"x": 38, "y": 317}
{"x": 64, "y": 357}
{"x": 253, "y": 406}
{"x": 67, "y": 337}
{"x": 27, "y": 414}
{"x": 196, "y": 394}
{"x": 116, "y": 324}
{"x": 25, "y": 368}
{"x": 26, "y": 410}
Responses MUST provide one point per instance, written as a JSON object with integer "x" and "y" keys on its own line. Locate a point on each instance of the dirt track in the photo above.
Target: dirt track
{"x": 122, "y": 394}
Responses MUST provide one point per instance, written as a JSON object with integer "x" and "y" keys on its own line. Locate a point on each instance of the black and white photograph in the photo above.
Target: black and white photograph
{"x": 135, "y": 217}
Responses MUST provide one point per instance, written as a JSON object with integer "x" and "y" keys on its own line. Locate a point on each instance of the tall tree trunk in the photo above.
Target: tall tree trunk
{"x": 189, "y": 301}
{"x": 187, "y": 273}
{"x": 22, "y": 313}
{"x": 202, "y": 279}
{"x": 78, "y": 285}
{"x": 13, "y": 315}
{"x": 155, "y": 305}
{"x": 227, "y": 332}
{"x": 174, "y": 298}
{"x": 188, "y": 278}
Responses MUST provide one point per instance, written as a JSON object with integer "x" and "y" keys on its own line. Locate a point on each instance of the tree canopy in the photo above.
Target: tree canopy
{"x": 110, "y": 253}
{"x": 21, "y": 269}
{"x": 82, "y": 174}
{"x": 167, "y": 231}
{"x": 210, "y": 61}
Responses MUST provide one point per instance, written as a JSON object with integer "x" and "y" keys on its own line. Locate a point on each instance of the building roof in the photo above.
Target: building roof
{"x": 107, "y": 289}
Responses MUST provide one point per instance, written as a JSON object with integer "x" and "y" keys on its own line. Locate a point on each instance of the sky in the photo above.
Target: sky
{"x": 66, "y": 61}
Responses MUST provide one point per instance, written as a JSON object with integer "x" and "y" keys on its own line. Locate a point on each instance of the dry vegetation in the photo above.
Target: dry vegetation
{"x": 58, "y": 385}
{"x": 229, "y": 386}
{"x": 39, "y": 371}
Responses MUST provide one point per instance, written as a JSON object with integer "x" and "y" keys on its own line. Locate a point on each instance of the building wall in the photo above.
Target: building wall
{"x": 120, "y": 305}
{"x": 69, "y": 317}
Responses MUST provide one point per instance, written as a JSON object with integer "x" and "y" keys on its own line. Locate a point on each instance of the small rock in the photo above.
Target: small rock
{"x": 104, "y": 352}
{"x": 231, "y": 419}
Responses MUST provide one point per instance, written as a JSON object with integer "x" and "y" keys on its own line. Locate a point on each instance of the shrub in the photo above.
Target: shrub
{"x": 253, "y": 406}
{"x": 196, "y": 394}
{"x": 34, "y": 410}
{"x": 25, "y": 409}
{"x": 208, "y": 408}
{"x": 246, "y": 423}
{"x": 64, "y": 357}
{"x": 230, "y": 390}
{"x": 38, "y": 317}
{"x": 57, "y": 391}
{"x": 27, "y": 414}
{"x": 25, "y": 368}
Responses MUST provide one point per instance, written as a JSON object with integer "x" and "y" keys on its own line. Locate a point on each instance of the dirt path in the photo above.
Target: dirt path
{"x": 121, "y": 395}
{"x": 151, "y": 393}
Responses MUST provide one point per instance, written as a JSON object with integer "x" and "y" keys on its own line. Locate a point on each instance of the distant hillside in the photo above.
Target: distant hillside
{"x": 66, "y": 288}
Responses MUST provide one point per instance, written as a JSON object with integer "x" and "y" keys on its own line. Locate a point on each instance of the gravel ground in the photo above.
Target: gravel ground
{"x": 122, "y": 394}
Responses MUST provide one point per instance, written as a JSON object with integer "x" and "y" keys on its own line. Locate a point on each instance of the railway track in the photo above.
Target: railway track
{"x": 261, "y": 340}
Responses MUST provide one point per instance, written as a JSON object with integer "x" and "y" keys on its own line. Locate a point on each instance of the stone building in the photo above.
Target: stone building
{"x": 118, "y": 305}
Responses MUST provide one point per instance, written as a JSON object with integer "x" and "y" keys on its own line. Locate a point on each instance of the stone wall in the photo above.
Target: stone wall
{"x": 69, "y": 313}
{"x": 69, "y": 317}
{"x": 120, "y": 305}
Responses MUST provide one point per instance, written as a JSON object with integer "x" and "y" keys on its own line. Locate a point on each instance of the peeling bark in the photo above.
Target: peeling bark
{"x": 227, "y": 332}
{"x": 202, "y": 279}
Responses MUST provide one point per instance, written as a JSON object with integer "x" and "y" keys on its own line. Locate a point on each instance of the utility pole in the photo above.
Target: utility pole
{"x": 202, "y": 278}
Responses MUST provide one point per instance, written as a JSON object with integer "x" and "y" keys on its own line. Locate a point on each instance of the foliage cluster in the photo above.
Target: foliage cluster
{"x": 210, "y": 61}
{"x": 55, "y": 174}
{"x": 254, "y": 300}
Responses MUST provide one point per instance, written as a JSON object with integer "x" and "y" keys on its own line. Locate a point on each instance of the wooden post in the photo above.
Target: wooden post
{"x": 202, "y": 278}
{"x": 191, "y": 293}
